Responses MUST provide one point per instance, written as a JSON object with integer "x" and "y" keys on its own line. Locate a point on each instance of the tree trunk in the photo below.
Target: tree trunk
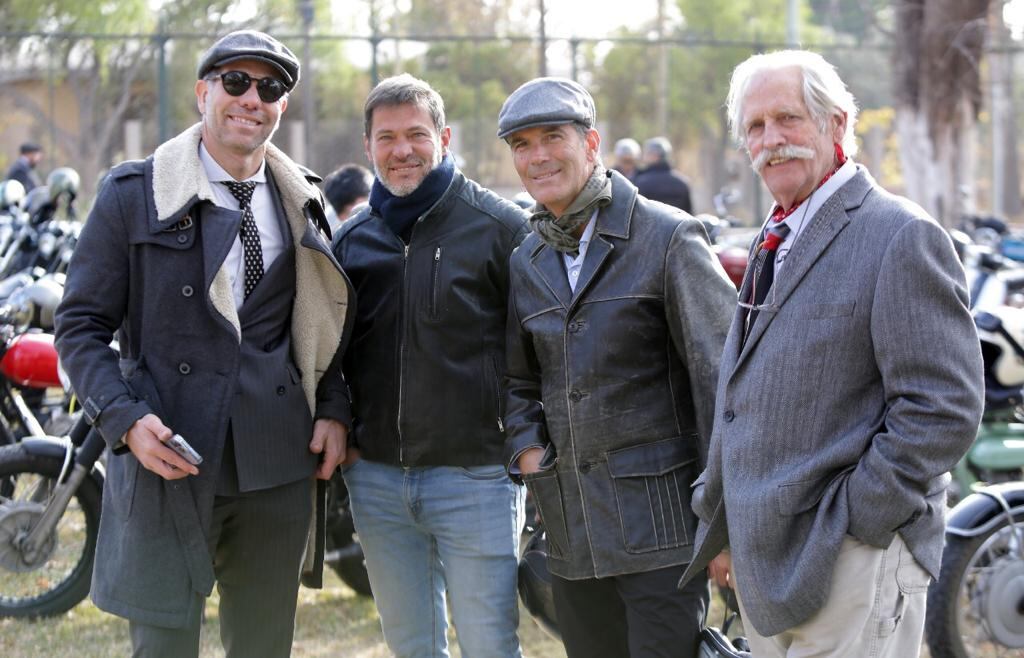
{"x": 936, "y": 60}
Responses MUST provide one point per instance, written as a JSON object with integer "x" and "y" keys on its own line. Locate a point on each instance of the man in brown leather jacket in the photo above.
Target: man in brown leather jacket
{"x": 617, "y": 318}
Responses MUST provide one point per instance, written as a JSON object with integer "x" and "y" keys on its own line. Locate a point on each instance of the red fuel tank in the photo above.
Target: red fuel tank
{"x": 31, "y": 360}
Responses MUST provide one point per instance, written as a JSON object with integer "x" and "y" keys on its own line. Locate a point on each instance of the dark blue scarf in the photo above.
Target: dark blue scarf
{"x": 401, "y": 212}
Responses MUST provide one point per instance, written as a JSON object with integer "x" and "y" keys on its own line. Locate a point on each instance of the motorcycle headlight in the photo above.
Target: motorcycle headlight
{"x": 18, "y": 312}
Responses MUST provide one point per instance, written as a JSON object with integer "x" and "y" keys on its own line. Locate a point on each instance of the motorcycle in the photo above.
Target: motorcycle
{"x": 976, "y": 607}
{"x": 50, "y": 499}
{"x": 997, "y": 454}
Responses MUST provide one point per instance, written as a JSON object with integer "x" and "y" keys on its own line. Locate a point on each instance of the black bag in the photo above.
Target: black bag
{"x": 715, "y": 643}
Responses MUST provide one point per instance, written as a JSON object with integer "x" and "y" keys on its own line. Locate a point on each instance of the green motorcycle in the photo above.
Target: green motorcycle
{"x": 997, "y": 455}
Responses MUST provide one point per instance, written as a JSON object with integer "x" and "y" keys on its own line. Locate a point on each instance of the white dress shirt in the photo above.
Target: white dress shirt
{"x": 262, "y": 209}
{"x": 573, "y": 264}
{"x": 803, "y": 214}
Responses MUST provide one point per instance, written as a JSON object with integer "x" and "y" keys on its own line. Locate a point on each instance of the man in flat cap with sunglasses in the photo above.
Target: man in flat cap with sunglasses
{"x": 210, "y": 263}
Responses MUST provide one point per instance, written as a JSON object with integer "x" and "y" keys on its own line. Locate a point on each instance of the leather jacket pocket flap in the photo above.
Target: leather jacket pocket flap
{"x": 652, "y": 493}
{"x": 649, "y": 459}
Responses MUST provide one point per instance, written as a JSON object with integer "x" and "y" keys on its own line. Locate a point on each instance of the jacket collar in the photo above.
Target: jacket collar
{"x": 613, "y": 221}
{"x": 179, "y": 180}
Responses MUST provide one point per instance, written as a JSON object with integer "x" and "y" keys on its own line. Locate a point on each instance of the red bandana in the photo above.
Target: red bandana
{"x": 772, "y": 240}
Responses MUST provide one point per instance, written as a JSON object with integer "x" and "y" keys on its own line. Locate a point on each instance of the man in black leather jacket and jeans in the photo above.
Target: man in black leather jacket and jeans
{"x": 435, "y": 511}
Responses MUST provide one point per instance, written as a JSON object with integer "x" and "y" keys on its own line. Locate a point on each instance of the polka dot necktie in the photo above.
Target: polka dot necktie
{"x": 249, "y": 233}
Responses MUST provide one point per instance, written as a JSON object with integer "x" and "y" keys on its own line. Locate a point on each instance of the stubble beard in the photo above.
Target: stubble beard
{"x": 405, "y": 189}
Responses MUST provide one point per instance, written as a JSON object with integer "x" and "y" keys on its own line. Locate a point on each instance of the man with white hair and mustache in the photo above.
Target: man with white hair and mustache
{"x": 851, "y": 381}
{"x": 436, "y": 513}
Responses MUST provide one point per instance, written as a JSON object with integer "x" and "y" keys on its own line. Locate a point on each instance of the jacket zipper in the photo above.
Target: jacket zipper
{"x": 433, "y": 277}
{"x": 497, "y": 395}
{"x": 401, "y": 353}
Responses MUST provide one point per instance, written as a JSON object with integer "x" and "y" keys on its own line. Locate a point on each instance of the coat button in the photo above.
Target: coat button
{"x": 184, "y": 368}
{"x": 575, "y": 396}
{"x": 187, "y": 291}
{"x": 585, "y": 467}
{"x": 280, "y": 390}
{"x": 182, "y": 238}
{"x": 728, "y": 416}
{"x": 573, "y": 327}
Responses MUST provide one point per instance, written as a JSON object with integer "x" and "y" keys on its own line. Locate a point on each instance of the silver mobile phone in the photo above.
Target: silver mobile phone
{"x": 179, "y": 445}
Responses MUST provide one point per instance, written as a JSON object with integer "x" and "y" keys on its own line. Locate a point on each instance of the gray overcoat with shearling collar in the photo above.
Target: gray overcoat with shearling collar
{"x": 149, "y": 267}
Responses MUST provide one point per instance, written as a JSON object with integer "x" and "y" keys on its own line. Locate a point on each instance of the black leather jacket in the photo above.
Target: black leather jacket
{"x": 427, "y": 355}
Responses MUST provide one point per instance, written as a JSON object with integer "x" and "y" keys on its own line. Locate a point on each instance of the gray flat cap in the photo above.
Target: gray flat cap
{"x": 546, "y": 102}
{"x": 250, "y": 44}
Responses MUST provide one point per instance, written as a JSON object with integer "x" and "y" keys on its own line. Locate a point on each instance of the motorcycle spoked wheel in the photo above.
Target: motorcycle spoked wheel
{"x": 976, "y": 608}
{"x": 341, "y": 536}
{"x": 59, "y": 577}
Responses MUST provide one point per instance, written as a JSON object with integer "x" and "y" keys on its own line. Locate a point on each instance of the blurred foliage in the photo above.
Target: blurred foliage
{"x": 115, "y": 79}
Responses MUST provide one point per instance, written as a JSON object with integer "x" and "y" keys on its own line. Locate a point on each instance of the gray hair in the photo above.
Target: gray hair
{"x": 825, "y": 94}
{"x": 404, "y": 89}
{"x": 627, "y": 146}
{"x": 659, "y": 146}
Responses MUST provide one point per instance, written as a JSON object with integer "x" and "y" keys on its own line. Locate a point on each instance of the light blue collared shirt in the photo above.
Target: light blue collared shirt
{"x": 573, "y": 265}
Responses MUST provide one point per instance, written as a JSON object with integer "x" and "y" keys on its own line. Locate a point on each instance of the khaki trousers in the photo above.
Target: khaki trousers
{"x": 875, "y": 609}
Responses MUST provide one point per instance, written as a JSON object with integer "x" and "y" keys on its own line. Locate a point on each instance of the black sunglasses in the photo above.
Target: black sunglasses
{"x": 236, "y": 83}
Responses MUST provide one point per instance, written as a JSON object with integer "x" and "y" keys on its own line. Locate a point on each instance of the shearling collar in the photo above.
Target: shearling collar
{"x": 179, "y": 180}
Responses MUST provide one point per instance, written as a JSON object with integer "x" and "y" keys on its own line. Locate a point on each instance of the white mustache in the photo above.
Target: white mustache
{"x": 787, "y": 152}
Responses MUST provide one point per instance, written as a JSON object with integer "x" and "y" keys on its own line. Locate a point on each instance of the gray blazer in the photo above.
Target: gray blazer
{"x": 844, "y": 408}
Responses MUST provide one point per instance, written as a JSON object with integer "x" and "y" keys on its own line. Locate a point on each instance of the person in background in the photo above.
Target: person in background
{"x": 24, "y": 168}
{"x": 618, "y": 314}
{"x": 346, "y": 187}
{"x": 658, "y": 181}
{"x": 208, "y": 262}
{"x": 851, "y": 382}
{"x": 437, "y": 516}
{"x": 627, "y": 157}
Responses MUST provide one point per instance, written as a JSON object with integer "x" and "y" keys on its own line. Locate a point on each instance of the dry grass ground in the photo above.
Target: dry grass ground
{"x": 334, "y": 621}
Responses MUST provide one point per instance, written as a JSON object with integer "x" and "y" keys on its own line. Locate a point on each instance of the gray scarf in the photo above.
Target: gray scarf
{"x": 560, "y": 232}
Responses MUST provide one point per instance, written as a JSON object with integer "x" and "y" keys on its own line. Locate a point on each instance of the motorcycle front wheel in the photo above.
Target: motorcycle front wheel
{"x": 58, "y": 576}
{"x": 976, "y": 608}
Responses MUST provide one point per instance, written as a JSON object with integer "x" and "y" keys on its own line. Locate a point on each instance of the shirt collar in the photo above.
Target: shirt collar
{"x": 217, "y": 174}
{"x": 588, "y": 233}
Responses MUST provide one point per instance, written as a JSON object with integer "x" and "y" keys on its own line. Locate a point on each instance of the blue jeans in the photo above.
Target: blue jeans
{"x": 431, "y": 531}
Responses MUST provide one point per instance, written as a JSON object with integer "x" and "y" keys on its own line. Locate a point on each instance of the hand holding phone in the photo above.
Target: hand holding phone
{"x": 178, "y": 444}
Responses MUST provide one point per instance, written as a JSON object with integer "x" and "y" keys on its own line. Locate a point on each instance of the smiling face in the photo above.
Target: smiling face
{"x": 554, "y": 162}
{"x": 404, "y": 146}
{"x": 237, "y": 128}
{"x": 786, "y": 145}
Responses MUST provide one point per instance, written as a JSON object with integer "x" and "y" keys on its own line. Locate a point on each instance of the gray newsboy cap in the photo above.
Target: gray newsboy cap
{"x": 250, "y": 44}
{"x": 546, "y": 102}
